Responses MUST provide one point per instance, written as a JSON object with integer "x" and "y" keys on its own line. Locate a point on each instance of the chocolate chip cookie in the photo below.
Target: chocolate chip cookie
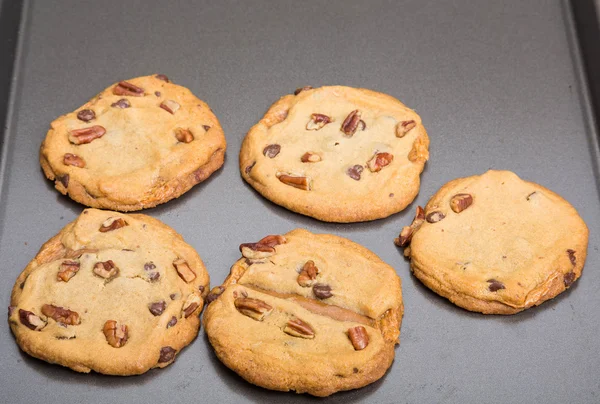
{"x": 305, "y": 312}
{"x": 114, "y": 293}
{"x": 496, "y": 244}
{"x": 338, "y": 154}
{"x": 137, "y": 144}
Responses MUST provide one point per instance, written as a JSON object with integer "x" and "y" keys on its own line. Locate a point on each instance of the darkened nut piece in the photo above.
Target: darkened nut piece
{"x": 460, "y": 202}
{"x": 61, "y": 315}
{"x": 299, "y": 90}
{"x": 322, "y": 291}
{"x": 167, "y": 354}
{"x": 112, "y": 223}
{"x": 192, "y": 302}
{"x": 184, "y": 270}
{"x": 126, "y": 88}
{"x": 106, "y": 270}
{"x": 403, "y": 127}
{"x": 30, "y": 320}
{"x": 162, "y": 77}
{"x": 67, "y": 270}
{"x": 295, "y": 181}
{"x": 308, "y": 274}
{"x": 572, "y": 257}
{"x": 379, "y": 161}
{"x": 355, "y": 172}
{"x": 408, "y": 231}
{"x": 352, "y": 123}
{"x": 359, "y": 337}
{"x": 272, "y": 240}
{"x": 298, "y": 328}
{"x": 86, "y": 115}
{"x": 264, "y": 248}
{"x": 172, "y": 322}
{"x": 253, "y": 308}
{"x": 115, "y": 333}
{"x": 310, "y": 157}
{"x": 214, "y": 294}
{"x": 495, "y": 285}
{"x": 272, "y": 150}
{"x": 122, "y": 103}
{"x": 73, "y": 160}
{"x": 435, "y": 217}
{"x": 184, "y": 135}
{"x": 206, "y": 127}
{"x": 170, "y": 106}
{"x": 317, "y": 121}
{"x": 157, "y": 308}
{"x": 569, "y": 279}
{"x": 86, "y": 135}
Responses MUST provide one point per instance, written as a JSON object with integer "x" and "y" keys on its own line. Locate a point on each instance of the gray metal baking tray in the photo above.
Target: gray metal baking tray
{"x": 499, "y": 84}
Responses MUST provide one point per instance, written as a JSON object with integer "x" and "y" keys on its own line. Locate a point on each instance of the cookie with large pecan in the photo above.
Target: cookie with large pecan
{"x": 312, "y": 313}
{"x": 137, "y": 144}
{"x": 113, "y": 293}
{"x": 338, "y": 154}
{"x": 496, "y": 244}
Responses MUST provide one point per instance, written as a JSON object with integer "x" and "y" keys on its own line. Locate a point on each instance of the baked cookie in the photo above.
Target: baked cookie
{"x": 137, "y": 144}
{"x": 338, "y": 154}
{"x": 114, "y": 293}
{"x": 496, "y": 244}
{"x": 305, "y": 312}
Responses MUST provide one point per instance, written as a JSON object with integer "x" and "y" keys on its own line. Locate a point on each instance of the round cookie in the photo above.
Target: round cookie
{"x": 114, "y": 293}
{"x": 496, "y": 244}
{"x": 305, "y": 312}
{"x": 137, "y": 144}
{"x": 338, "y": 154}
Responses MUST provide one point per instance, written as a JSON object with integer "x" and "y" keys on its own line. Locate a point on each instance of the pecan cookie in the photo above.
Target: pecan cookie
{"x": 311, "y": 313}
{"x": 114, "y": 293}
{"x": 338, "y": 154}
{"x": 496, "y": 244}
{"x": 137, "y": 144}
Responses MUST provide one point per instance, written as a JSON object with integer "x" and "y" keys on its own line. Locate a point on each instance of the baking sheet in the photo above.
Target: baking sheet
{"x": 498, "y": 85}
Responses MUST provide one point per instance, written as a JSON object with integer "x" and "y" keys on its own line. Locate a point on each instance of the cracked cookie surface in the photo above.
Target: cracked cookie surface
{"x": 114, "y": 293}
{"x": 338, "y": 154}
{"x": 312, "y": 313}
{"x": 496, "y": 244}
{"x": 137, "y": 144}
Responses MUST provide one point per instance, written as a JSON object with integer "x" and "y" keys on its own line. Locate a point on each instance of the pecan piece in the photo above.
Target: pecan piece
{"x": 298, "y": 328}
{"x": 379, "y": 161}
{"x": 157, "y": 308}
{"x": 170, "y": 106}
{"x": 115, "y": 333}
{"x": 30, "y": 320}
{"x": 86, "y": 115}
{"x": 308, "y": 274}
{"x": 295, "y": 181}
{"x": 184, "y": 135}
{"x": 317, "y": 121}
{"x": 214, "y": 294}
{"x": 299, "y": 90}
{"x": 322, "y": 291}
{"x": 264, "y": 248}
{"x": 172, "y": 322}
{"x": 253, "y": 308}
{"x": 272, "y": 150}
{"x": 272, "y": 240}
{"x": 67, "y": 270}
{"x": 86, "y": 135}
{"x": 403, "y": 127}
{"x": 184, "y": 270}
{"x": 112, "y": 223}
{"x": 435, "y": 217}
{"x": 122, "y": 103}
{"x": 61, "y": 315}
{"x": 191, "y": 304}
{"x": 352, "y": 123}
{"x": 106, "y": 269}
{"x": 419, "y": 152}
{"x": 572, "y": 257}
{"x": 167, "y": 354}
{"x": 460, "y": 202}
{"x": 162, "y": 77}
{"x": 495, "y": 285}
{"x": 126, "y": 88}
{"x": 310, "y": 157}
{"x": 359, "y": 337}
{"x": 73, "y": 160}
{"x": 355, "y": 171}
{"x": 408, "y": 231}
